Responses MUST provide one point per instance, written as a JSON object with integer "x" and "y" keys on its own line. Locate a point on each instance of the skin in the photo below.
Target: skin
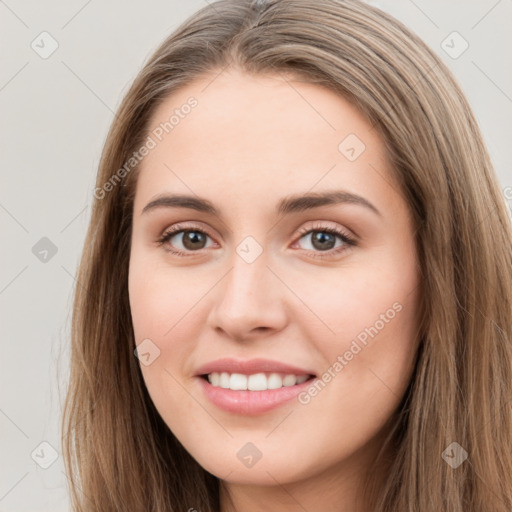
{"x": 250, "y": 141}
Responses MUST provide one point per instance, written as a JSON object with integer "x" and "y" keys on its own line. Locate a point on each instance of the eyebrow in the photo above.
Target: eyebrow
{"x": 287, "y": 205}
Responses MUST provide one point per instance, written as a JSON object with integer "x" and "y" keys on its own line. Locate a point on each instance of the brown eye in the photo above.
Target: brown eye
{"x": 181, "y": 241}
{"x": 193, "y": 240}
{"x": 323, "y": 241}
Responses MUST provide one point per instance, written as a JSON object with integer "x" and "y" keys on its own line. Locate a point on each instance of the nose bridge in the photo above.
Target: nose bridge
{"x": 248, "y": 298}
{"x": 248, "y": 278}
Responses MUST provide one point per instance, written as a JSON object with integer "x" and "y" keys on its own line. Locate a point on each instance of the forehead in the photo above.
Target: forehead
{"x": 246, "y": 132}
{"x": 237, "y": 105}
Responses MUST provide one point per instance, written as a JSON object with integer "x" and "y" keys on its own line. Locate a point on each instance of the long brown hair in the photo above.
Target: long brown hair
{"x": 121, "y": 456}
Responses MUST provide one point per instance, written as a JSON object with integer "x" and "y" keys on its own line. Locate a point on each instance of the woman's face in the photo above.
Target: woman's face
{"x": 261, "y": 287}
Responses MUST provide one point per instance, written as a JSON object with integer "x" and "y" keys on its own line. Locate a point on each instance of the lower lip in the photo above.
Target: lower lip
{"x": 251, "y": 402}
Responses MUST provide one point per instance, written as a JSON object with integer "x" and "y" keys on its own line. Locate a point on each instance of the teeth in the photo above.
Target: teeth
{"x": 274, "y": 381}
{"x": 238, "y": 381}
{"x": 302, "y": 378}
{"x": 214, "y": 379}
{"x": 289, "y": 380}
{"x": 224, "y": 380}
{"x": 254, "y": 382}
{"x": 257, "y": 382}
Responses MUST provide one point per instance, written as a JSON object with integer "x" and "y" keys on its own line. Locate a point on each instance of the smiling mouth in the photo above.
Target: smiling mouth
{"x": 261, "y": 381}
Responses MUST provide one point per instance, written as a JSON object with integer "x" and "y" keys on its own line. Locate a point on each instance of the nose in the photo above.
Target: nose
{"x": 249, "y": 301}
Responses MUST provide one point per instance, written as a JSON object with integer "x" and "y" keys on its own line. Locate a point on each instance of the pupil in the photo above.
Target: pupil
{"x": 192, "y": 237}
{"x": 323, "y": 240}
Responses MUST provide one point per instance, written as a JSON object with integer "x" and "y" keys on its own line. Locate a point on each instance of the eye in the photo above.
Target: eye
{"x": 190, "y": 239}
{"x": 322, "y": 239}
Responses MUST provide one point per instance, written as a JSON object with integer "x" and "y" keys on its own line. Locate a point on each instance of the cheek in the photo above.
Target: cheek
{"x": 165, "y": 304}
{"x": 161, "y": 299}
{"x": 368, "y": 339}
{"x": 161, "y": 324}
{"x": 372, "y": 298}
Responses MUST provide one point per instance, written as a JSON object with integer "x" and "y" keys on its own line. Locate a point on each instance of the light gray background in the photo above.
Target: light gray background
{"x": 56, "y": 113}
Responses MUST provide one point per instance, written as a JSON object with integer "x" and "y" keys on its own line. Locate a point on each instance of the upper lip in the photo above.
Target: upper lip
{"x": 250, "y": 366}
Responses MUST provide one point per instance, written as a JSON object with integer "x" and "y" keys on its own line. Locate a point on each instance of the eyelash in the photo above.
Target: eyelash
{"x": 348, "y": 240}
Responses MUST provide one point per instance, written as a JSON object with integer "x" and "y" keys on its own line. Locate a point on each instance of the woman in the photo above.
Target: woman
{"x": 295, "y": 291}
